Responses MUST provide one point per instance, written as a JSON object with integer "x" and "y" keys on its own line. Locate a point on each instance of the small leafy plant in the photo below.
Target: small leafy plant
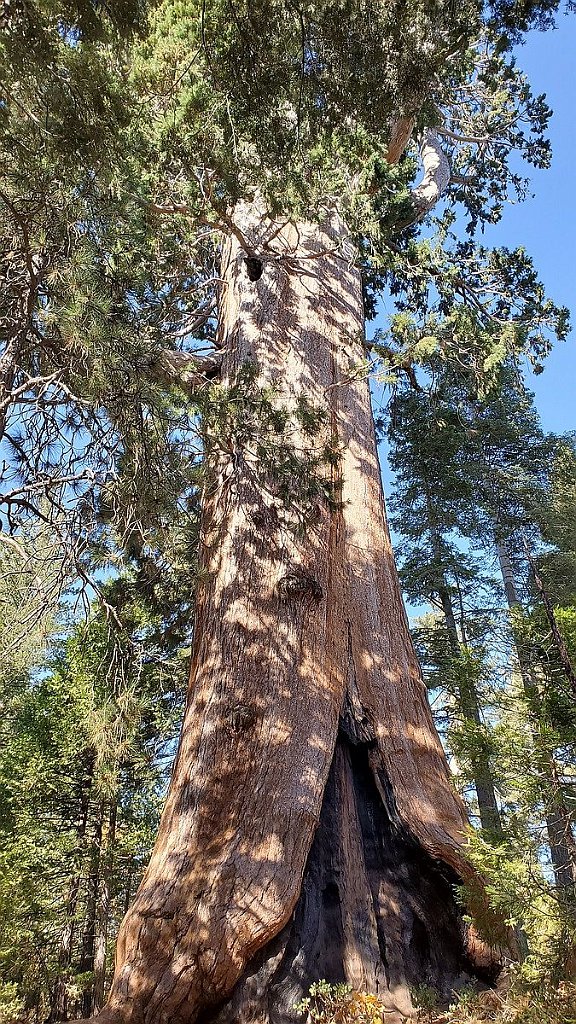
{"x": 340, "y": 1004}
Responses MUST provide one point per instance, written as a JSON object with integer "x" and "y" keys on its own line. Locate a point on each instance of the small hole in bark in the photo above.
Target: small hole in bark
{"x": 253, "y": 268}
{"x": 242, "y": 717}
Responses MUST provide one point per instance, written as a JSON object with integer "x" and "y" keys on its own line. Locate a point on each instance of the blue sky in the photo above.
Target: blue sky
{"x": 546, "y": 224}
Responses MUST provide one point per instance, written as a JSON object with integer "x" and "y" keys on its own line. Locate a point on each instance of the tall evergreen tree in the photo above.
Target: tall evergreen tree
{"x": 310, "y": 827}
{"x": 433, "y": 500}
{"x": 490, "y": 466}
{"x": 83, "y": 769}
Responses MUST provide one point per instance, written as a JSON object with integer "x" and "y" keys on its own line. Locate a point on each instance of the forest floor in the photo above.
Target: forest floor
{"x": 546, "y": 1004}
{"x": 511, "y": 1002}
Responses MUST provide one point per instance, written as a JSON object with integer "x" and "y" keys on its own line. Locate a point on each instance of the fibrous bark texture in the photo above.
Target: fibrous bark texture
{"x": 311, "y": 829}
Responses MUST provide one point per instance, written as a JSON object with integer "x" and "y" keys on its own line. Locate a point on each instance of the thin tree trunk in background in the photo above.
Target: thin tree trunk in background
{"x": 59, "y": 1000}
{"x": 470, "y": 709}
{"x": 19, "y": 307}
{"x": 86, "y": 961}
{"x": 559, "y": 822}
{"x": 467, "y": 697}
{"x": 128, "y": 892}
{"x": 103, "y": 908}
{"x": 508, "y": 577}
{"x": 311, "y": 829}
{"x": 8, "y": 367}
{"x": 561, "y": 648}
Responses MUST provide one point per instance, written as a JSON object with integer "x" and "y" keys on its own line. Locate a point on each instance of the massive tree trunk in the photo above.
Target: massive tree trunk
{"x": 311, "y": 829}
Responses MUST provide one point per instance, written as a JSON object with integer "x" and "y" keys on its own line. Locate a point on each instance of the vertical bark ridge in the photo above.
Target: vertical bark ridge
{"x": 271, "y": 670}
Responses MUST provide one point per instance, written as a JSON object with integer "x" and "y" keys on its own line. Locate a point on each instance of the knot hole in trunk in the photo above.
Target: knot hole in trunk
{"x": 253, "y": 267}
{"x": 299, "y": 584}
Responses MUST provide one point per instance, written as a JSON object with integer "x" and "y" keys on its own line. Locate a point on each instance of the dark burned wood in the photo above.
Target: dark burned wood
{"x": 378, "y": 906}
{"x": 355, "y": 724}
{"x": 253, "y": 268}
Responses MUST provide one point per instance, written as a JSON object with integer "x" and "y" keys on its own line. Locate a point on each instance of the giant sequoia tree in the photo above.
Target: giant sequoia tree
{"x": 221, "y": 192}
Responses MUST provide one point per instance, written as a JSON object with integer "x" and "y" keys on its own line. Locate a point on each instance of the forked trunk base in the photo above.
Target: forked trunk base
{"x": 375, "y": 912}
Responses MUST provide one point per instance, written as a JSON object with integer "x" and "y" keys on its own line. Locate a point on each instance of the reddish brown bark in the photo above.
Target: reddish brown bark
{"x": 311, "y": 828}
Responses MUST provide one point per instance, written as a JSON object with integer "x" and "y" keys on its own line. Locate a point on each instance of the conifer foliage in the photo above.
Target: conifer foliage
{"x": 481, "y": 482}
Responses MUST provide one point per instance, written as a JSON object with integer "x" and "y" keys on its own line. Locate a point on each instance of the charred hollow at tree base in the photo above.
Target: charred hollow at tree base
{"x": 375, "y": 910}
